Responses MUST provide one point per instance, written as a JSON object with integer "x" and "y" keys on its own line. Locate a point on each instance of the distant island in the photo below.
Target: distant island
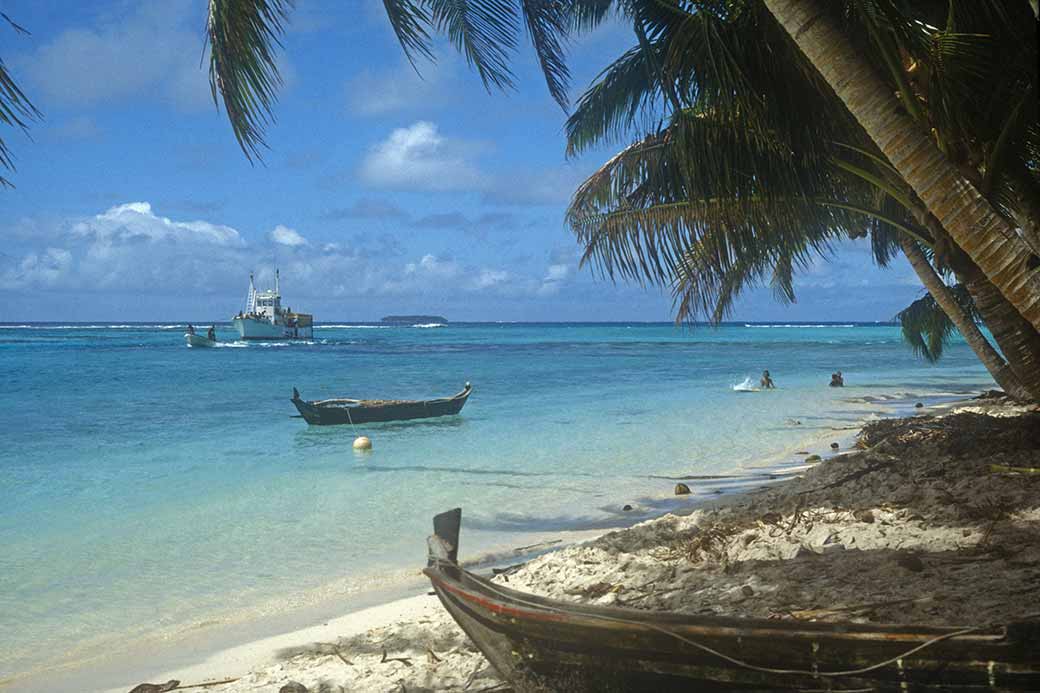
{"x": 415, "y": 320}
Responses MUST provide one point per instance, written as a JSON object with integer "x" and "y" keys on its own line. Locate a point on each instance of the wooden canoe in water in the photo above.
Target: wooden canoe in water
{"x": 358, "y": 411}
{"x": 539, "y": 644}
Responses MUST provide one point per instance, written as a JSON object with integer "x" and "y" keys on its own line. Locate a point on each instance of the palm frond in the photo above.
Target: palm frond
{"x": 927, "y": 328}
{"x": 484, "y": 31}
{"x": 620, "y": 96}
{"x": 548, "y": 24}
{"x": 16, "y": 110}
{"x": 409, "y": 20}
{"x": 243, "y": 38}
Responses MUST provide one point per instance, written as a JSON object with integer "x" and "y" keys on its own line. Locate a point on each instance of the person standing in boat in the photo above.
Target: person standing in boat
{"x": 211, "y": 334}
{"x": 767, "y": 382}
{"x": 191, "y": 328}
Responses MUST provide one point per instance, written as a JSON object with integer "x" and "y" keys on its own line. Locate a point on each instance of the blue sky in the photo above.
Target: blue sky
{"x": 382, "y": 191}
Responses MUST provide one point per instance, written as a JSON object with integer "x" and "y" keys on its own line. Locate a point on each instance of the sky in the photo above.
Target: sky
{"x": 382, "y": 191}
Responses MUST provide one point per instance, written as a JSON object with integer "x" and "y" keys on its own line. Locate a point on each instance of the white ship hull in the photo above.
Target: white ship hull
{"x": 253, "y": 328}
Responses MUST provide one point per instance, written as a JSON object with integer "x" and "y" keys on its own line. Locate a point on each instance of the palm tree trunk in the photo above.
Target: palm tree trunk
{"x": 1015, "y": 337}
{"x": 968, "y": 218}
{"x": 994, "y": 363}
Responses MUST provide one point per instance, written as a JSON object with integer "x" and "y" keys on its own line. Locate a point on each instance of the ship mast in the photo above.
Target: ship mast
{"x": 251, "y": 301}
{"x": 276, "y": 290}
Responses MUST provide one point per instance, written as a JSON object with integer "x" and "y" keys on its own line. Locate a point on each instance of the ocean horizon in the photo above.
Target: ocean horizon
{"x": 152, "y": 492}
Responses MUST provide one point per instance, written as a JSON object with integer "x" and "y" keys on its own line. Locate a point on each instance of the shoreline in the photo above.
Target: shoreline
{"x": 235, "y": 649}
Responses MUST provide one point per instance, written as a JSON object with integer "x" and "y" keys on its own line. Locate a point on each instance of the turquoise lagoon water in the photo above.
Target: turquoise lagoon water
{"x": 147, "y": 488}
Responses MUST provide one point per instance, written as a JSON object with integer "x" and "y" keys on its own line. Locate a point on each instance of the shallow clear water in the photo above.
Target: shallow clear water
{"x": 146, "y": 486}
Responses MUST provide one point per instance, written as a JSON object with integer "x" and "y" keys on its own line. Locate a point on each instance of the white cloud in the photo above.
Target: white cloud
{"x": 418, "y": 157}
{"x": 130, "y": 250}
{"x": 283, "y": 235}
{"x": 136, "y": 221}
{"x": 554, "y": 279}
{"x": 127, "y": 248}
{"x": 431, "y": 266}
{"x": 489, "y": 278}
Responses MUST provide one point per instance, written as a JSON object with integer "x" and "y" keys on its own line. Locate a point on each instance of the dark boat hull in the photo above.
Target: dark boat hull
{"x": 318, "y": 414}
{"x": 542, "y": 644}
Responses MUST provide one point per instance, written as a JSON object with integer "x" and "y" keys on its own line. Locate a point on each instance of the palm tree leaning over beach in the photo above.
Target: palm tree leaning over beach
{"x": 638, "y": 219}
{"x": 987, "y": 238}
{"x": 671, "y": 201}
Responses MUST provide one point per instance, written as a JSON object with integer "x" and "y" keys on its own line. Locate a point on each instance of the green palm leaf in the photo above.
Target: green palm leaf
{"x": 15, "y": 108}
{"x": 243, "y": 37}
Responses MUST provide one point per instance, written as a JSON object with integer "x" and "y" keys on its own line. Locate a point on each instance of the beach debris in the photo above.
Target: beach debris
{"x": 804, "y": 551}
{"x": 835, "y": 446}
{"x": 747, "y": 591}
{"x": 681, "y": 489}
{"x": 507, "y": 570}
{"x": 864, "y": 516}
{"x": 339, "y": 653}
{"x": 293, "y": 687}
{"x": 627, "y": 507}
{"x": 362, "y": 443}
{"x": 1005, "y": 469}
{"x": 156, "y": 687}
{"x": 918, "y": 406}
{"x": 403, "y": 660}
{"x": 802, "y": 452}
{"x": 540, "y": 546}
{"x": 813, "y": 458}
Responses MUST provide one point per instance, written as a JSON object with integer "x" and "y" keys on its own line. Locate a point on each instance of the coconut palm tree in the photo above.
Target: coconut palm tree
{"x": 975, "y": 226}
{"x": 735, "y": 55}
{"x": 638, "y": 219}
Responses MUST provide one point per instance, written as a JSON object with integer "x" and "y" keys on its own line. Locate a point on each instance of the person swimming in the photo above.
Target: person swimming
{"x": 837, "y": 380}
{"x": 767, "y": 382}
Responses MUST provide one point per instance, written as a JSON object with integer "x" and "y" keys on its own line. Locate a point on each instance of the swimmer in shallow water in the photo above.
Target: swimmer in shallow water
{"x": 837, "y": 380}
{"x": 767, "y": 382}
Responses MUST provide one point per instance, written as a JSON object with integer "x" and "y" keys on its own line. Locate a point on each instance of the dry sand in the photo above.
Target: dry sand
{"x": 916, "y": 527}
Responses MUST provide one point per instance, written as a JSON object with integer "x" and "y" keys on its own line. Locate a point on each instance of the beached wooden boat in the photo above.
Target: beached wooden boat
{"x": 199, "y": 340}
{"x": 358, "y": 411}
{"x": 543, "y": 644}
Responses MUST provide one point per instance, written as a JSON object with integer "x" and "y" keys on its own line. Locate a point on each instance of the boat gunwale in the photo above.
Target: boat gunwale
{"x": 360, "y": 403}
{"x": 548, "y": 610}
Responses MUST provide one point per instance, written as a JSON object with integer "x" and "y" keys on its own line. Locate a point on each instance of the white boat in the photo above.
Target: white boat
{"x": 264, "y": 317}
{"x": 199, "y": 340}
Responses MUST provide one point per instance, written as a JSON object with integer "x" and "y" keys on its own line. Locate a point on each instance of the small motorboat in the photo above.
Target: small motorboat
{"x": 199, "y": 340}
{"x": 194, "y": 339}
{"x": 539, "y": 644}
{"x": 357, "y": 411}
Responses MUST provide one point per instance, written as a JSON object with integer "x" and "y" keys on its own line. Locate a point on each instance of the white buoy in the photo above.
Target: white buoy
{"x": 362, "y": 443}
